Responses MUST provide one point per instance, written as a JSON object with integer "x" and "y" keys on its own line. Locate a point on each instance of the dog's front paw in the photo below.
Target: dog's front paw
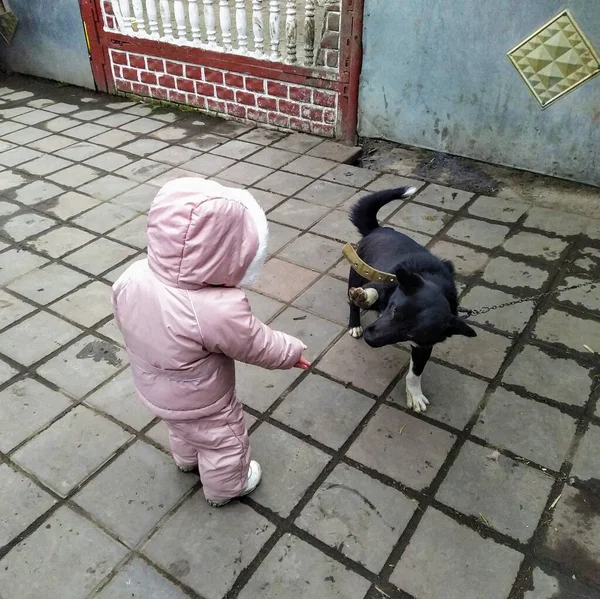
{"x": 363, "y": 298}
{"x": 356, "y": 332}
{"x": 416, "y": 401}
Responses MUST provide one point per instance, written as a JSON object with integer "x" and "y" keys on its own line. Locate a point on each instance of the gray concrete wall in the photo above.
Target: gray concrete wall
{"x": 435, "y": 75}
{"x": 49, "y": 42}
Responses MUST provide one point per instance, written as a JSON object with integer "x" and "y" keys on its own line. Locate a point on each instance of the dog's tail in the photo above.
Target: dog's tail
{"x": 364, "y": 213}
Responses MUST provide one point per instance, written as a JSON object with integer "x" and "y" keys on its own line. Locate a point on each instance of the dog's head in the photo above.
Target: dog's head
{"x": 417, "y": 312}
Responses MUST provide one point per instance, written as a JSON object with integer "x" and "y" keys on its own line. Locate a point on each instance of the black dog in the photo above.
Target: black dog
{"x": 420, "y": 309}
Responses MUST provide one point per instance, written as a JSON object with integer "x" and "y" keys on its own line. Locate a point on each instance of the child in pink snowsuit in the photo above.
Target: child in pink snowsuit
{"x": 185, "y": 323}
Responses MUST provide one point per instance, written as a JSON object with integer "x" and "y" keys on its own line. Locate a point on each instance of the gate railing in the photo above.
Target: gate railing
{"x": 280, "y": 30}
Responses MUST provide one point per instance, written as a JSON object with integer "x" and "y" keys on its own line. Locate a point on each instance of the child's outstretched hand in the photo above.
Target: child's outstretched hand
{"x": 302, "y": 363}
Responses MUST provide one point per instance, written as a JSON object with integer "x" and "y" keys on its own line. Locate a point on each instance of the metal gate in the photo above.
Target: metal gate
{"x": 292, "y": 64}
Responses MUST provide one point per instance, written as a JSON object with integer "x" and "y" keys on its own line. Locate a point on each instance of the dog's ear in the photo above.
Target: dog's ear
{"x": 409, "y": 282}
{"x": 459, "y": 327}
{"x": 449, "y": 265}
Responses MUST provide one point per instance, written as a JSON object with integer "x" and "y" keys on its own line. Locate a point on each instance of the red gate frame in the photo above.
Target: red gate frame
{"x": 345, "y": 82}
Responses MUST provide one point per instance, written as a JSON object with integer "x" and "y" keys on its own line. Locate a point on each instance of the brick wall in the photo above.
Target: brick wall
{"x": 285, "y": 105}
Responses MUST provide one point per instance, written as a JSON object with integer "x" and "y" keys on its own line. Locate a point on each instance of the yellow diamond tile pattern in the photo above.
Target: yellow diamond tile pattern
{"x": 555, "y": 59}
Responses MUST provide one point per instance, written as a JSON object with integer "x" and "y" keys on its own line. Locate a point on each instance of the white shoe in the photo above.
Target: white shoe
{"x": 254, "y": 476}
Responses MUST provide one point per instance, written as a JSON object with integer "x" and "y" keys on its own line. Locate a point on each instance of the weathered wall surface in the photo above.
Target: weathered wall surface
{"x": 435, "y": 75}
{"x": 49, "y": 42}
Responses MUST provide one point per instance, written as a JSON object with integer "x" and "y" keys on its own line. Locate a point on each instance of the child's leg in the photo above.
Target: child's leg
{"x": 184, "y": 453}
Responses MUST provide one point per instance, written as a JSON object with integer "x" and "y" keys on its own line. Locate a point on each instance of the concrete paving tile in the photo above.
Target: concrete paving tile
{"x": 142, "y": 126}
{"x": 175, "y": 155}
{"x": 532, "y": 244}
{"x": 328, "y": 298}
{"x": 132, "y": 233}
{"x": 324, "y": 410}
{"x": 499, "y": 209}
{"x": 7, "y": 208}
{"x": 86, "y": 131}
{"x": 573, "y": 536}
{"x": 263, "y": 307}
{"x": 298, "y": 213}
{"x": 510, "y": 495}
{"x": 336, "y": 224}
{"x": 266, "y": 199}
{"x": 115, "y": 119}
{"x": 106, "y": 188}
{"x": 350, "y": 510}
{"x": 67, "y": 452}
{"x": 353, "y": 361}
{"x": 142, "y": 170}
{"x": 204, "y": 142}
{"x": 561, "y": 379}
{"x": 143, "y": 484}
{"x": 115, "y": 273}
{"x": 420, "y": 218}
{"x": 561, "y": 328}
{"x": 12, "y": 309}
{"x": 81, "y": 150}
{"x": 10, "y": 180}
{"x": 530, "y": 429}
{"x": 298, "y": 142}
{"x": 10, "y": 127}
{"x": 51, "y": 143}
{"x": 283, "y": 183}
{"x": 26, "y": 225}
{"x": 283, "y": 280}
{"x": 445, "y": 559}
{"x": 332, "y": 150}
{"x": 585, "y": 464}
{"x": 36, "y": 337}
{"x": 99, "y": 256}
{"x": 25, "y": 136}
{"x": 21, "y": 503}
{"x": 37, "y": 191}
{"x": 259, "y": 388}
{"x": 236, "y": 149}
{"x": 309, "y": 166}
{"x": 326, "y": 193}
{"x": 16, "y": 263}
{"x": 111, "y": 330}
{"x": 478, "y": 232}
{"x": 453, "y": 396}
{"x": 447, "y": 198}
{"x": 245, "y": 173}
{"x": 207, "y": 164}
{"x": 18, "y": 155}
{"x": 272, "y": 158}
{"x": 545, "y": 586}
{"x": 118, "y": 399}
{"x": 354, "y": 176}
{"x": 262, "y": 137}
{"x": 139, "y": 198}
{"x": 292, "y": 466}
{"x": 295, "y": 569}
{"x": 41, "y": 403}
{"x": 44, "y": 285}
{"x": 510, "y": 273}
{"x": 511, "y": 319}
{"x": 313, "y": 252}
{"x": 60, "y": 241}
{"x": 279, "y": 236}
{"x": 87, "y": 305}
{"x": 34, "y": 117}
{"x": 109, "y": 161}
{"x": 138, "y": 579}
{"x": 402, "y": 447}
{"x": 62, "y": 108}
{"x": 223, "y": 541}
{"x": 586, "y": 261}
{"x": 75, "y": 176}
{"x": 114, "y": 138}
{"x": 172, "y": 174}
{"x": 90, "y": 115}
{"x": 83, "y": 366}
{"x": 586, "y": 298}
{"x": 104, "y": 217}
{"x": 82, "y": 555}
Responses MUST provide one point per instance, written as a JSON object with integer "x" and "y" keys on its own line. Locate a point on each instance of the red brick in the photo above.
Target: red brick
{"x": 178, "y": 97}
{"x": 156, "y": 65}
{"x": 139, "y": 62}
{"x": 167, "y": 81}
{"x": 278, "y": 119}
{"x": 186, "y": 85}
{"x": 119, "y": 58}
{"x": 124, "y": 86}
{"x": 290, "y": 108}
{"x": 224, "y": 93}
{"x": 260, "y": 116}
{"x": 130, "y": 74}
{"x": 215, "y": 105}
{"x": 329, "y": 116}
{"x": 193, "y": 72}
{"x": 267, "y": 103}
{"x": 234, "y": 80}
{"x": 196, "y": 101}
{"x": 277, "y": 89}
{"x": 245, "y": 98}
{"x": 150, "y": 78}
{"x": 159, "y": 92}
{"x": 322, "y": 98}
{"x": 213, "y": 76}
{"x": 255, "y": 85}
{"x": 312, "y": 114}
{"x": 175, "y": 68}
{"x": 300, "y": 125}
{"x": 140, "y": 89}
{"x": 236, "y": 110}
{"x": 323, "y": 130}
{"x": 205, "y": 89}
{"x": 118, "y": 71}
{"x": 300, "y": 94}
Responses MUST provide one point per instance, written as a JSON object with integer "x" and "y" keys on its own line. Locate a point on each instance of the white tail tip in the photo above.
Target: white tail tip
{"x": 410, "y": 192}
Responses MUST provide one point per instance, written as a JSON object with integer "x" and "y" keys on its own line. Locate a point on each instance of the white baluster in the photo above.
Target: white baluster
{"x": 209, "y": 18}
{"x": 225, "y": 22}
{"x": 165, "y": 17}
{"x": 180, "y": 19}
{"x": 240, "y": 23}
{"x": 138, "y": 12}
{"x": 274, "y": 29}
{"x": 152, "y": 18}
{"x": 257, "y": 27}
{"x": 290, "y": 31}
{"x": 194, "y": 20}
{"x": 309, "y": 33}
{"x": 126, "y": 14}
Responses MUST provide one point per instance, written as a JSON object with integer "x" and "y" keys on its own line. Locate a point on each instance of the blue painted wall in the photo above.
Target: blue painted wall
{"x": 49, "y": 42}
{"x": 435, "y": 75}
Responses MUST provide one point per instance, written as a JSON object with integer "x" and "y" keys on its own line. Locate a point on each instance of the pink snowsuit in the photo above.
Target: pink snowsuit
{"x": 185, "y": 322}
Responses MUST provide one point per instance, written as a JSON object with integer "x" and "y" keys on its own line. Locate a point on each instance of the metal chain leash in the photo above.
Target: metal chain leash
{"x": 485, "y": 309}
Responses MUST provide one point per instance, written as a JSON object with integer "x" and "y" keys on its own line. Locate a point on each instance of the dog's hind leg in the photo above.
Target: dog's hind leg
{"x": 414, "y": 395}
{"x": 363, "y": 297}
{"x": 354, "y": 327}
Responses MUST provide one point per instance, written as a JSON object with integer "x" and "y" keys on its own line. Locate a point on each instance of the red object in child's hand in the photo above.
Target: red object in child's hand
{"x": 302, "y": 363}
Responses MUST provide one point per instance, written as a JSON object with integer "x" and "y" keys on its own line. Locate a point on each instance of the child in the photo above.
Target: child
{"x": 185, "y": 322}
